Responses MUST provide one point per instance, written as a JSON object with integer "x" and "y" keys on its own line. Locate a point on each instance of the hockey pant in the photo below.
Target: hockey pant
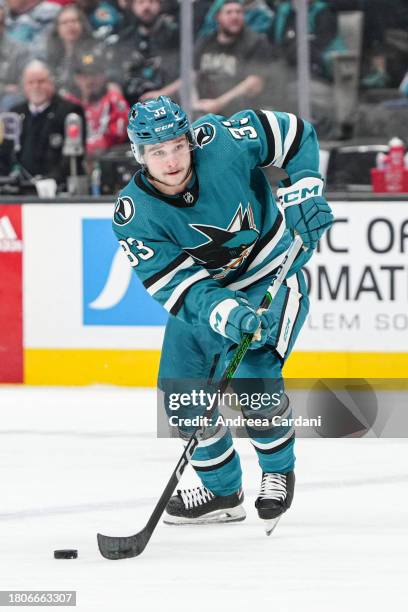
{"x": 197, "y": 353}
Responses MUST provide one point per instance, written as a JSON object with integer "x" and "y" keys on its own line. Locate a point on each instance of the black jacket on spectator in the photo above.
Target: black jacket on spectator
{"x": 141, "y": 61}
{"x": 42, "y": 138}
{"x": 323, "y": 35}
{"x": 163, "y": 36}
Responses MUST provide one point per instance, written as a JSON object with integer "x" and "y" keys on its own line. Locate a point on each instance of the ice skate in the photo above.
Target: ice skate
{"x": 201, "y": 506}
{"x": 275, "y": 497}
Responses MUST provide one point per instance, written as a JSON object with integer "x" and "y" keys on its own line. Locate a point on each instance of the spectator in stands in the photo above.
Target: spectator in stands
{"x": 29, "y": 21}
{"x": 383, "y": 107}
{"x": 106, "y": 110}
{"x": 258, "y": 16}
{"x": 324, "y": 37}
{"x": 231, "y": 63}
{"x": 103, "y": 17}
{"x": 153, "y": 31}
{"x": 43, "y": 124}
{"x": 69, "y": 39}
{"x": 13, "y": 57}
{"x": 132, "y": 74}
{"x": 144, "y": 56}
{"x": 390, "y": 53}
{"x": 385, "y": 40}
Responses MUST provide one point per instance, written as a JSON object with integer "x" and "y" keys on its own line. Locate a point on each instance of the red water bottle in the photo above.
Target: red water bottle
{"x": 394, "y": 170}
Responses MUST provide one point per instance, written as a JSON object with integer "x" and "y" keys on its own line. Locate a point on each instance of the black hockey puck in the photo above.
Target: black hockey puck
{"x": 69, "y": 553}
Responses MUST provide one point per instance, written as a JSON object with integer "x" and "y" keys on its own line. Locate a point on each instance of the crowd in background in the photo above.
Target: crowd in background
{"x": 98, "y": 57}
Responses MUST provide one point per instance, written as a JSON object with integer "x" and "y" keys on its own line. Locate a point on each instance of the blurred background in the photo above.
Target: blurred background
{"x": 343, "y": 64}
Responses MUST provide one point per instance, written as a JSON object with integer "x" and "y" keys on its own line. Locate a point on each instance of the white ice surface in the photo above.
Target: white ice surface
{"x": 77, "y": 461}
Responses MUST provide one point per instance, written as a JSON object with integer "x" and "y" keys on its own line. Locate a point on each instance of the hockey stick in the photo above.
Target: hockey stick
{"x": 132, "y": 546}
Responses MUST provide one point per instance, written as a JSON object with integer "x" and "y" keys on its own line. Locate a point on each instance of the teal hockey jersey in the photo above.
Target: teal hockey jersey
{"x": 226, "y": 231}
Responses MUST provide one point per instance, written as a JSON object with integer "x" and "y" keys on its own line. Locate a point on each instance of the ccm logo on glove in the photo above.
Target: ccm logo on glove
{"x": 304, "y": 189}
{"x": 306, "y": 210}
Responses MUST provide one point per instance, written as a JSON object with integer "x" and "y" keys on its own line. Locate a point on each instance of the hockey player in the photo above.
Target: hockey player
{"x": 204, "y": 233}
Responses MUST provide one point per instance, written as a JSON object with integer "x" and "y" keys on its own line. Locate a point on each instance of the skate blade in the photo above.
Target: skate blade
{"x": 227, "y": 515}
{"x": 270, "y": 525}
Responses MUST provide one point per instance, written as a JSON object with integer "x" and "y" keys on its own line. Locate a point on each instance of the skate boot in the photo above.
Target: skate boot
{"x": 274, "y": 498}
{"x": 200, "y": 506}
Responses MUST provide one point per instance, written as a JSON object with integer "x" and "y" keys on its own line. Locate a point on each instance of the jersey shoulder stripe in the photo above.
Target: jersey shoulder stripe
{"x": 269, "y": 137}
{"x": 294, "y": 147}
{"x": 285, "y": 130}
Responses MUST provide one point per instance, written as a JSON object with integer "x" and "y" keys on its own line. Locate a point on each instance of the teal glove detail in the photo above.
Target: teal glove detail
{"x": 234, "y": 317}
{"x": 306, "y": 210}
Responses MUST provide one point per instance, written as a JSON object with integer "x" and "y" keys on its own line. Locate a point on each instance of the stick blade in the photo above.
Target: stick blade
{"x": 115, "y": 548}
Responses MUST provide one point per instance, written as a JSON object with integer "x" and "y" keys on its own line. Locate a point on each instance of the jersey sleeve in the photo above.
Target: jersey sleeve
{"x": 293, "y": 146}
{"x": 171, "y": 276}
{"x": 274, "y": 138}
{"x": 292, "y": 143}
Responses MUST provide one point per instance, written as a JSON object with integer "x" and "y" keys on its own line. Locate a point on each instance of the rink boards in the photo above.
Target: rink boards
{"x": 73, "y": 312}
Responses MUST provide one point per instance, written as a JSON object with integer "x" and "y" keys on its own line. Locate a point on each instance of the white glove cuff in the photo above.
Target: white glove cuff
{"x": 309, "y": 187}
{"x": 219, "y": 315}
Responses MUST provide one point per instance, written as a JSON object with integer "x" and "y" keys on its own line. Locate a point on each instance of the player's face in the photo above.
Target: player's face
{"x": 169, "y": 162}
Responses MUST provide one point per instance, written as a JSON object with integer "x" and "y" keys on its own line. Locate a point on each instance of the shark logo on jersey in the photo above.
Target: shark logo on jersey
{"x": 227, "y": 248}
{"x": 124, "y": 210}
{"x": 204, "y": 134}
